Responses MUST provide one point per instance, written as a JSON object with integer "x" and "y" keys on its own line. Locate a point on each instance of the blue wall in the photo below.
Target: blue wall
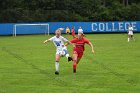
{"x": 6, "y": 29}
{"x": 88, "y": 27}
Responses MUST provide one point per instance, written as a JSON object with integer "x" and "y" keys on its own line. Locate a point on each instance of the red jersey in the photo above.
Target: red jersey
{"x": 79, "y": 44}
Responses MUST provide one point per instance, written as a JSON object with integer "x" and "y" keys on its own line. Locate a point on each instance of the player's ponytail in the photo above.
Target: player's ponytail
{"x": 83, "y": 35}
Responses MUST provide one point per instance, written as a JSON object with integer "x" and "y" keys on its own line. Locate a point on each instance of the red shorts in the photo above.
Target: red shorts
{"x": 80, "y": 54}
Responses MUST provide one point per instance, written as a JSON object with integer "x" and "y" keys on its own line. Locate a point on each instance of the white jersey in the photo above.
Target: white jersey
{"x": 130, "y": 30}
{"x": 58, "y": 42}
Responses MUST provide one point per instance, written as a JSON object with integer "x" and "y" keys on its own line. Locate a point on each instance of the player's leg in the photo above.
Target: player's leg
{"x": 68, "y": 32}
{"x": 128, "y": 37}
{"x": 75, "y": 55}
{"x": 79, "y": 57}
{"x": 57, "y": 63}
{"x": 78, "y": 60}
{"x": 66, "y": 53}
{"x": 73, "y": 35}
{"x": 132, "y": 37}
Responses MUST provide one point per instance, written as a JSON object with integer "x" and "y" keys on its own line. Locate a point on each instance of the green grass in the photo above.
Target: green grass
{"x": 27, "y": 66}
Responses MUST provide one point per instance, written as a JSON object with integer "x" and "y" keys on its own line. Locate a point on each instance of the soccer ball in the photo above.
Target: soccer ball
{"x": 62, "y": 53}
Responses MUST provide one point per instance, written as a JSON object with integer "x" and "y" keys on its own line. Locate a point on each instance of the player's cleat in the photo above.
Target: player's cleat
{"x": 56, "y": 73}
{"x": 69, "y": 59}
{"x": 74, "y": 70}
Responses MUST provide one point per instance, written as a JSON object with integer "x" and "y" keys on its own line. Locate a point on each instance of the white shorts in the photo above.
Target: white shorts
{"x": 130, "y": 33}
{"x": 58, "y": 51}
{"x": 61, "y": 51}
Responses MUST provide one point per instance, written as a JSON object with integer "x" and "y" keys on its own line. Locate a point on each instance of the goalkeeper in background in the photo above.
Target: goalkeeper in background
{"x": 61, "y": 50}
{"x": 67, "y": 30}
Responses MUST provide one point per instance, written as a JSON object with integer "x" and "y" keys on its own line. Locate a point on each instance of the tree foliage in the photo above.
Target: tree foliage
{"x": 69, "y": 10}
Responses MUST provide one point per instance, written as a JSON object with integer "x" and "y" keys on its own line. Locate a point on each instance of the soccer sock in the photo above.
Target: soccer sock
{"x": 133, "y": 38}
{"x": 67, "y": 55}
{"x": 57, "y": 65}
{"x": 74, "y": 66}
{"x": 128, "y": 39}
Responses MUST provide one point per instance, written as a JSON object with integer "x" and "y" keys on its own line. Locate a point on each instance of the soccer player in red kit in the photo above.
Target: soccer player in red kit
{"x": 73, "y": 32}
{"x": 78, "y": 49}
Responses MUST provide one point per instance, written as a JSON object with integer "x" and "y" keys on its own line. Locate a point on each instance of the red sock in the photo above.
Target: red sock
{"x": 74, "y": 67}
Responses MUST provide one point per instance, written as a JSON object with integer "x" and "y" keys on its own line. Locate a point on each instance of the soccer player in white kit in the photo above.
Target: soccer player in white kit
{"x": 130, "y": 33}
{"x": 80, "y": 29}
{"x": 61, "y": 50}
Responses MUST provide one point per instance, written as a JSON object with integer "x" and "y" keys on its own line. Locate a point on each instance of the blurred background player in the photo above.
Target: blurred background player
{"x": 79, "y": 48}
{"x": 80, "y": 29}
{"x": 67, "y": 30}
{"x": 73, "y": 32}
{"x": 61, "y": 50}
{"x": 130, "y": 33}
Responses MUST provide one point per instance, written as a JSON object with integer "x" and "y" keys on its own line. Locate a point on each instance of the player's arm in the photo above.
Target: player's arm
{"x": 67, "y": 41}
{"x": 48, "y": 40}
{"x": 92, "y": 48}
{"x": 128, "y": 28}
{"x": 70, "y": 42}
{"x": 90, "y": 44}
{"x": 132, "y": 29}
{"x": 67, "y": 44}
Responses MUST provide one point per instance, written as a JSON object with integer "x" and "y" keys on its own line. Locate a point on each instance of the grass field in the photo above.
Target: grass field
{"x": 27, "y": 66}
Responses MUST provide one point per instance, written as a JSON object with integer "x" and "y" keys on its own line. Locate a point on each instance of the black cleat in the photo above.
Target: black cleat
{"x": 74, "y": 70}
{"x": 69, "y": 59}
{"x": 56, "y": 73}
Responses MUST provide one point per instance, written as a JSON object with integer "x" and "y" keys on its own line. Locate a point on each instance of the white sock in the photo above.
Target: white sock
{"x": 57, "y": 66}
{"x": 128, "y": 39}
{"x": 67, "y": 55}
{"x": 133, "y": 38}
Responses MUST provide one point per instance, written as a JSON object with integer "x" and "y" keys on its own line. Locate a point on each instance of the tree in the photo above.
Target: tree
{"x": 68, "y": 10}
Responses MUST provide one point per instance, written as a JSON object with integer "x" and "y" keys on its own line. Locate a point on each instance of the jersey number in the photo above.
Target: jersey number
{"x": 57, "y": 43}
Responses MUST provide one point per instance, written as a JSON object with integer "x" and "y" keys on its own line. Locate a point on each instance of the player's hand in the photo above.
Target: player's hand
{"x": 92, "y": 51}
{"x": 44, "y": 42}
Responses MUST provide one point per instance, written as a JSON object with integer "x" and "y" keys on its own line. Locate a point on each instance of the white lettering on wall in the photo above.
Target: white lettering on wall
{"x": 107, "y": 27}
{"x": 101, "y": 27}
{"x": 126, "y": 26}
{"x": 134, "y": 26}
{"x": 113, "y": 26}
{"x": 121, "y": 26}
{"x": 94, "y": 26}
